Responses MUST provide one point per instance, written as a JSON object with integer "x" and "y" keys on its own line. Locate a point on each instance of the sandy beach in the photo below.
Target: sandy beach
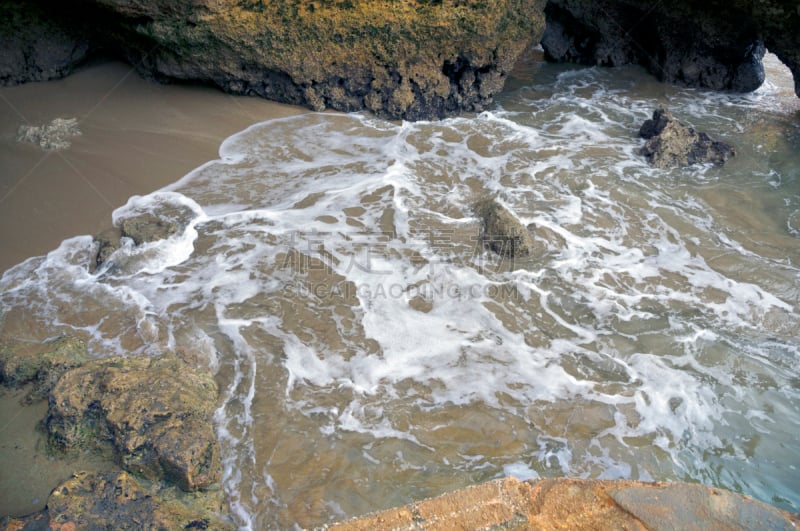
{"x": 136, "y": 136}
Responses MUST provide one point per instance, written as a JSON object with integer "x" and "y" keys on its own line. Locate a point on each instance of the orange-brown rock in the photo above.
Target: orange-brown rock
{"x": 579, "y": 504}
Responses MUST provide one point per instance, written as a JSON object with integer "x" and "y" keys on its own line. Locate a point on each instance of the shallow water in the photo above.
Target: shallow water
{"x": 371, "y": 352}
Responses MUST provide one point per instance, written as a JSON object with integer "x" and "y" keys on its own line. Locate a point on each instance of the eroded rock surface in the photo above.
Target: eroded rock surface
{"x": 671, "y": 143}
{"x": 155, "y": 413}
{"x": 117, "y": 500}
{"x": 580, "y": 504}
{"x": 715, "y": 44}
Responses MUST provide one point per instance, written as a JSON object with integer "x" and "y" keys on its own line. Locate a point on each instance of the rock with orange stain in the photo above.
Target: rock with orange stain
{"x": 579, "y": 504}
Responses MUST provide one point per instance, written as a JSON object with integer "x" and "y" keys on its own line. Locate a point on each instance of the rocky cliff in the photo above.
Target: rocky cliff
{"x": 715, "y": 44}
{"x": 410, "y": 59}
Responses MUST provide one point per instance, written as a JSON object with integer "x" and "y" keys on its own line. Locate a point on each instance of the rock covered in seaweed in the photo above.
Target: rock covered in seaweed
{"x": 155, "y": 412}
{"x": 671, "y": 143}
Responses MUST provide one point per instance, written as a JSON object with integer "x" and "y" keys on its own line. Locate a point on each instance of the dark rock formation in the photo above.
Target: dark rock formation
{"x": 671, "y": 143}
{"x": 580, "y": 504}
{"x": 501, "y": 231}
{"x": 116, "y": 500}
{"x": 39, "y": 363}
{"x": 715, "y": 44}
{"x": 36, "y": 44}
{"x": 155, "y": 412}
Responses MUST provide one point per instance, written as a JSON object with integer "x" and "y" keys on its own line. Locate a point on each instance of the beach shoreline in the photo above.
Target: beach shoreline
{"x": 136, "y": 136}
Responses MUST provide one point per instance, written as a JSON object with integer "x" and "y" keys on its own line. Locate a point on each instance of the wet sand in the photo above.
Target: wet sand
{"x": 136, "y": 137}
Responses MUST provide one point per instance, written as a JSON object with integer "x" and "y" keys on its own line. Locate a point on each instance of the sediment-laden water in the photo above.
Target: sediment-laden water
{"x": 372, "y": 352}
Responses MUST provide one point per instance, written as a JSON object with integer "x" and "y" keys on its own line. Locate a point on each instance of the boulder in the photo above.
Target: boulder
{"x": 116, "y": 500}
{"x": 23, "y": 362}
{"x": 671, "y": 143}
{"x": 716, "y": 45}
{"x": 501, "y": 231}
{"x": 154, "y": 412}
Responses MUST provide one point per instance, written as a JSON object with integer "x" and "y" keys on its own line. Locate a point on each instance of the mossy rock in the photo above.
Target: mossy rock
{"x": 154, "y": 413}
{"x": 409, "y": 60}
{"x": 42, "y": 364}
{"x": 117, "y": 500}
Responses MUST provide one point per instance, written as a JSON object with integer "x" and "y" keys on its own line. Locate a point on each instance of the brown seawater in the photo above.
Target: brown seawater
{"x": 371, "y": 352}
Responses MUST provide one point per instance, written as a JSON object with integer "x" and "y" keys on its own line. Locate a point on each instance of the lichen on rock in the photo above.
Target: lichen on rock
{"x": 155, "y": 413}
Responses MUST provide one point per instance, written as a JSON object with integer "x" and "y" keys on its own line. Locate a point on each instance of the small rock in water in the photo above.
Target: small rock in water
{"x": 53, "y": 136}
{"x": 501, "y": 230}
{"x": 671, "y": 143}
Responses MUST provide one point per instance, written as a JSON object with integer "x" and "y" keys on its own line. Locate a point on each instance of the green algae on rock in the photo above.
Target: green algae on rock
{"x": 42, "y": 364}
{"x": 117, "y": 500}
{"x": 154, "y": 412}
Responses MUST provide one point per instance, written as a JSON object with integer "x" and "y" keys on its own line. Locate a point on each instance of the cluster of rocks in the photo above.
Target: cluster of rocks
{"x": 151, "y": 415}
{"x": 412, "y": 60}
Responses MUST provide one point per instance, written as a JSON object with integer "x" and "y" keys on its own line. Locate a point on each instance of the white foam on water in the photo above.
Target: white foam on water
{"x": 329, "y": 267}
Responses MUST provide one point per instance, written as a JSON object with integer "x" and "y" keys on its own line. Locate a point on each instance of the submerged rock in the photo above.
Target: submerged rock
{"x": 155, "y": 413}
{"x": 142, "y": 228}
{"x": 42, "y": 364}
{"x": 671, "y": 143}
{"x": 146, "y": 228}
{"x": 501, "y": 231}
{"x": 580, "y": 504}
{"x": 116, "y": 500}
